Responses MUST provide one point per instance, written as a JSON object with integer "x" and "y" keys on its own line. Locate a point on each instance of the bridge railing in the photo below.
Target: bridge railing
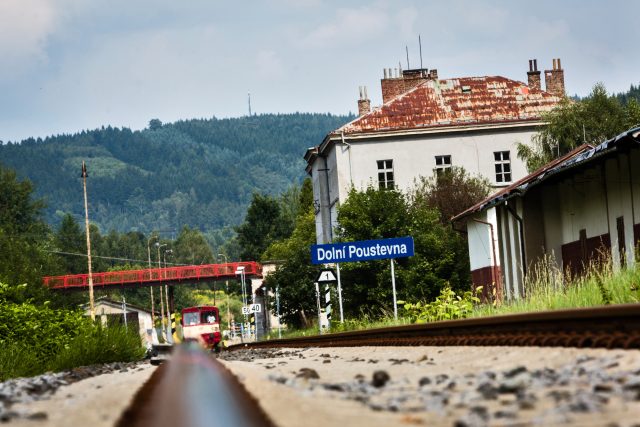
{"x": 154, "y": 275}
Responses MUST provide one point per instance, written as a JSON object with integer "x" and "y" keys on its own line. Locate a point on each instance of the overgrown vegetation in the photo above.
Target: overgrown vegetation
{"x": 548, "y": 288}
{"x": 447, "y": 306}
{"x": 592, "y": 120}
{"x": 440, "y": 261}
{"x": 35, "y": 338}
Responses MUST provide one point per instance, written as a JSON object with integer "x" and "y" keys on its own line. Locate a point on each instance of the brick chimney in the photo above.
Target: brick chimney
{"x": 554, "y": 79}
{"x": 364, "y": 103}
{"x": 533, "y": 75}
{"x": 395, "y": 84}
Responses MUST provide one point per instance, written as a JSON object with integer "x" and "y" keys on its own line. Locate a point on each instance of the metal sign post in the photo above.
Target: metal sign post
{"x": 318, "y": 303}
{"x": 339, "y": 292}
{"x": 393, "y": 285}
{"x": 327, "y": 304}
{"x": 278, "y": 313}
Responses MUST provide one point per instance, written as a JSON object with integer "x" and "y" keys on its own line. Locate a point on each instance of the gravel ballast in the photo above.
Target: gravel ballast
{"x": 91, "y": 393}
{"x": 455, "y": 386}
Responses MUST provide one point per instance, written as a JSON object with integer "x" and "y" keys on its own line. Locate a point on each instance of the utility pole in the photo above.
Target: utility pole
{"x": 158, "y": 246}
{"x": 92, "y": 310}
{"x": 153, "y": 315}
{"x": 226, "y": 282}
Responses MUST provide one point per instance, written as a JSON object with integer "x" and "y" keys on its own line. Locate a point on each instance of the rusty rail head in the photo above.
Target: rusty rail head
{"x": 193, "y": 390}
{"x": 612, "y": 326}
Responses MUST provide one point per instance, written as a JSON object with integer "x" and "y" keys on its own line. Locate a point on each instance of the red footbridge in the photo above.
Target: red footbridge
{"x": 154, "y": 276}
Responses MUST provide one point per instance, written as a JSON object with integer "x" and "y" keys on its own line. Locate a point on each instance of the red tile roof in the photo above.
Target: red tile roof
{"x": 456, "y": 102}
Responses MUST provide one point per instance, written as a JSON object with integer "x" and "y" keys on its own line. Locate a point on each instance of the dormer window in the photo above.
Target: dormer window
{"x": 466, "y": 89}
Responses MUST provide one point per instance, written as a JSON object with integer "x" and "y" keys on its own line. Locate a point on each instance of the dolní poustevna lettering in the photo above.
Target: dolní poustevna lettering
{"x": 352, "y": 251}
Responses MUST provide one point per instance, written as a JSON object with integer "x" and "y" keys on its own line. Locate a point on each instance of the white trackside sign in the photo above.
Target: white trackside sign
{"x": 326, "y": 275}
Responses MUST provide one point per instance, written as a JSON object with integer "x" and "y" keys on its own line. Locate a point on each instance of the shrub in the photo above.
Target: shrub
{"x": 447, "y": 306}
{"x": 100, "y": 345}
{"x": 18, "y": 360}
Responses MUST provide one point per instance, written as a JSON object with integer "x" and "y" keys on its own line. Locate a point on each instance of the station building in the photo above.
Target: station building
{"x": 425, "y": 125}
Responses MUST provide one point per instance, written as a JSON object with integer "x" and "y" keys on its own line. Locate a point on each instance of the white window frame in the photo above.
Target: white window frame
{"x": 386, "y": 176}
{"x": 443, "y": 165}
{"x": 502, "y": 161}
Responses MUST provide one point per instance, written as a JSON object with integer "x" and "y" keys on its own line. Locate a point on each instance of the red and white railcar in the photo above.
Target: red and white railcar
{"x": 202, "y": 324}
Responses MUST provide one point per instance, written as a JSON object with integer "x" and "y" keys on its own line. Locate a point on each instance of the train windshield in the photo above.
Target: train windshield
{"x": 208, "y": 317}
{"x": 191, "y": 319}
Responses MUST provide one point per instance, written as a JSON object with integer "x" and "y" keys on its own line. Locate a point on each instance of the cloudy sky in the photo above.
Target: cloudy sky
{"x": 68, "y": 65}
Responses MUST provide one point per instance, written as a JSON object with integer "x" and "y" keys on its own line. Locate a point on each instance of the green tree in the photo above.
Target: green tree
{"x": 371, "y": 214}
{"x": 155, "y": 124}
{"x": 262, "y": 226}
{"x": 591, "y": 120}
{"x": 71, "y": 239}
{"x": 449, "y": 192}
{"x": 192, "y": 248}
{"x": 295, "y": 276}
{"x": 24, "y": 236}
{"x": 440, "y": 258}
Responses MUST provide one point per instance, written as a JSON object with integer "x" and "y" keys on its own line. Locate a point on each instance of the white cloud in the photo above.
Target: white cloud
{"x": 24, "y": 28}
{"x": 269, "y": 64}
{"x": 349, "y": 26}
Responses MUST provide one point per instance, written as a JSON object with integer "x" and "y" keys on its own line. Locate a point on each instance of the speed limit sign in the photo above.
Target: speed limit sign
{"x": 253, "y": 308}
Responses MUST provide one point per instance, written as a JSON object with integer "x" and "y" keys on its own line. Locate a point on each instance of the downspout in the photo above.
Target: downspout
{"x": 494, "y": 264}
{"x": 521, "y": 233}
{"x": 349, "y": 148}
{"x": 326, "y": 175}
{"x": 633, "y": 214}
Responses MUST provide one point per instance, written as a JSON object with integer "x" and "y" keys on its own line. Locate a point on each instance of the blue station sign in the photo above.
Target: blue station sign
{"x": 364, "y": 250}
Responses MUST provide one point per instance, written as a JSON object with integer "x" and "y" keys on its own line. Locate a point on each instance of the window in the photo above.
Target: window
{"x": 503, "y": 166}
{"x": 190, "y": 319}
{"x": 385, "y": 173}
{"x": 443, "y": 163}
{"x": 208, "y": 317}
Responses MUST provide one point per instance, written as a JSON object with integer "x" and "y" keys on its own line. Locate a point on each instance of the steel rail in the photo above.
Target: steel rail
{"x": 192, "y": 389}
{"x": 615, "y": 326}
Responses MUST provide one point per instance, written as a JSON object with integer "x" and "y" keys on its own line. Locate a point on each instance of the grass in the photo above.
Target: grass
{"x": 364, "y": 322}
{"x": 549, "y": 289}
{"x": 93, "y": 346}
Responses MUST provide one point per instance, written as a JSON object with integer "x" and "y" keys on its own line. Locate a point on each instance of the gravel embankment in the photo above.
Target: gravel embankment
{"x": 458, "y": 386}
{"x": 23, "y": 392}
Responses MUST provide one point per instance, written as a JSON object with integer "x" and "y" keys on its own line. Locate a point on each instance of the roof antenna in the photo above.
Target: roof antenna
{"x": 407, "y": 49}
{"x": 420, "y": 44}
{"x": 249, "y": 96}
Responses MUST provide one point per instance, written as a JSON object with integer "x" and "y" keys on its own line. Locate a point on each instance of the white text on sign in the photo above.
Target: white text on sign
{"x": 253, "y": 308}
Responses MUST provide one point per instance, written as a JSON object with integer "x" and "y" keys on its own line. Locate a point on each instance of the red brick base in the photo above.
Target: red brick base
{"x": 490, "y": 278}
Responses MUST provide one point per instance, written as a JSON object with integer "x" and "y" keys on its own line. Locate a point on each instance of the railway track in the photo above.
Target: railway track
{"x": 616, "y": 326}
{"x": 193, "y": 389}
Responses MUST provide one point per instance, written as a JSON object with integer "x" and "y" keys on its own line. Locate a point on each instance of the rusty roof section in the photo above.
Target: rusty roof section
{"x": 456, "y": 102}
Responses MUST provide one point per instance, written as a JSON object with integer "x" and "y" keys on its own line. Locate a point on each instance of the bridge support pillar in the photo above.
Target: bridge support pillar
{"x": 172, "y": 307}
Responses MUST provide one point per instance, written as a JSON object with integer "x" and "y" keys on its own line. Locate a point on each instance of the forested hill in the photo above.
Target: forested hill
{"x": 199, "y": 173}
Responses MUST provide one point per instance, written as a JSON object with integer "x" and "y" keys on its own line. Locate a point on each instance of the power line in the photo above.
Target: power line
{"x": 144, "y": 261}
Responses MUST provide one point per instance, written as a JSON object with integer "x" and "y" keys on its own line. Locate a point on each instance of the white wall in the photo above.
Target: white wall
{"x": 415, "y": 157}
{"x": 479, "y": 240}
{"x": 354, "y": 163}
